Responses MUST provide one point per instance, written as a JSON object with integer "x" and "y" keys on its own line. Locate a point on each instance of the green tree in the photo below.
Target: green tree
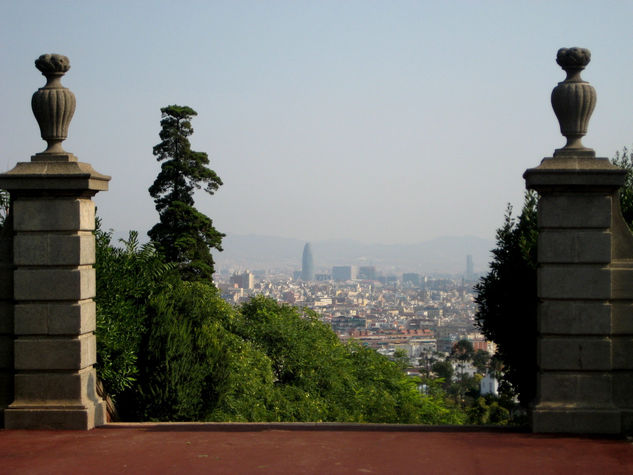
{"x": 625, "y": 160}
{"x": 128, "y": 275}
{"x": 318, "y": 378}
{"x": 481, "y": 359}
{"x": 171, "y": 349}
{"x": 488, "y": 411}
{"x": 463, "y": 350}
{"x": 506, "y": 296}
{"x": 183, "y": 235}
{"x": 506, "y": 299}
{"x": 444, "y": 370}
{"x": 185, "y": 344}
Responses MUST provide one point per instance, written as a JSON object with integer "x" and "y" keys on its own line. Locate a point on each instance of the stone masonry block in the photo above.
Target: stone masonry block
{"x": 622, "y": 318}
{"x": 574, "y": 353}
{"x": 622, "y": 283}
{"x": 627, "y": 421}
{"x": 569, "y": 317}
{"x": 574, "y": 211}
{"x": 588, "y": 389}
{"x": 6, "y": 316}
{"x": 47, "y": 249}
{"x": 622, "y": 352}
{"x": 574, "y": 282}
{"x": 54, "y": 284}
{"x": 623, "y": 389}
{"x": 56, "y": 388}
{"x": 55, "y": 318}
{"x": 55, "y": 417}
{"x": 54, "y": 214}
{"x": 574, "y": 246}
{"x": 571, "y": 420}
{"x": 55, "y": 353}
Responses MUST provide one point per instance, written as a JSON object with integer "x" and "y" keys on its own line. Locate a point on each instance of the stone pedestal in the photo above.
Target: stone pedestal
{"x": 585, "y": 286}
{"x": 53, "y": 289}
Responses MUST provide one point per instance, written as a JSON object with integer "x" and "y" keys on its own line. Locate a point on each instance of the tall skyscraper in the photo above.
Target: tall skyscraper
{"x": 470, "y": 274}
{"x": 307, "y": 263}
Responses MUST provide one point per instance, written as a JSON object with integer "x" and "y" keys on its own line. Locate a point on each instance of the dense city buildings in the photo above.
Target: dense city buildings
{"x": 423, "y": 316}
{"x": 411, "y": 278}
{"x": 244, "y": 280}
{"x": 343, "y": 273}
{"x": 367, "y": 273}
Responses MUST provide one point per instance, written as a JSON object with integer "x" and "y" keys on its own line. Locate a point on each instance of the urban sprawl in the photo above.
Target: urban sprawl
{"x": 421, "y": 315}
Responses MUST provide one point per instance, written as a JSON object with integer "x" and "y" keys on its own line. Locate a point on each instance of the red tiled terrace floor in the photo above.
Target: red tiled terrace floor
{"x": 304, "y": 448}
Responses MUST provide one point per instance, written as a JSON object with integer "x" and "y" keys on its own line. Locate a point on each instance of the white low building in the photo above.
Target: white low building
{"x": 489, "y": 385}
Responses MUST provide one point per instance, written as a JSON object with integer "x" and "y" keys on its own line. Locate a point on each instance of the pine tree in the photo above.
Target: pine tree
{"x": 184, "y": 235}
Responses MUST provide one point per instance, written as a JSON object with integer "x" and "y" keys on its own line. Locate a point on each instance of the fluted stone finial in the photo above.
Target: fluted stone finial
{"x": 53, "y": 106}
{"x": 573, "y": 101}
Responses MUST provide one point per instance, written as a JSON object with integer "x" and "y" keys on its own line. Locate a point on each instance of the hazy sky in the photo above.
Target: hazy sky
{"x": 381, "y": 121}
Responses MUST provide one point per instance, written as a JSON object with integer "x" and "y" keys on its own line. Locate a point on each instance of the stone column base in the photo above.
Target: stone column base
{"x": 573, "y": 420}
{"x": 55, "y": 417}
{"x": 627, "y": 421}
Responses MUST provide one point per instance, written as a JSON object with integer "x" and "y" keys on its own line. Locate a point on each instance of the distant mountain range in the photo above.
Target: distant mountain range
{"x": 444, "y": 255}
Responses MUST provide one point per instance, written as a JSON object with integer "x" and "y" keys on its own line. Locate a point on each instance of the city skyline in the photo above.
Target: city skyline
{"x": 389, "y": 123}
{"x": 444, "y": 255}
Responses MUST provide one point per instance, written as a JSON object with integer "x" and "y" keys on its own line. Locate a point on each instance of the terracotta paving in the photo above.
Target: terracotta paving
{"x": 279, "y": 448}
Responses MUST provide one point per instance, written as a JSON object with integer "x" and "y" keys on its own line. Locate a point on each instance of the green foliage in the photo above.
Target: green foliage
{"x": 506, "y": 296}
{"x": 444, "y": 370}
{"x": 439, "y": 409}
{"x": 171, "y": 349}
{"x": 317, "y": 378}
{"x": 463, "y": 350}
{"x": 481, "y": 360}
{"x": 184, "y": 342}
{"x": 127, "y": 277}
{"x": 488, "y": 411}
{"x": 506, "y": 299}
{"x": 401, "y": 358}
{"x": 625, "y": 160}
{"x": 5, "y": 206}
{"x": 183, "y": 235}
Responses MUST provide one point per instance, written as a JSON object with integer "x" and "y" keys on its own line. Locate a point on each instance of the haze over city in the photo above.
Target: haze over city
{"x": 382, "y": 122}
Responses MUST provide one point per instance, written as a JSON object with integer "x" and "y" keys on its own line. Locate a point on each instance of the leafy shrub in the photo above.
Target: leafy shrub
{"x": 174, "y": 350}
{"x": 126, "y": 277}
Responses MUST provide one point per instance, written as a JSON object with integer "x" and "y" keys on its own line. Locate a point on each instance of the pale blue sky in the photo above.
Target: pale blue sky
{"x": 382, "y": 121}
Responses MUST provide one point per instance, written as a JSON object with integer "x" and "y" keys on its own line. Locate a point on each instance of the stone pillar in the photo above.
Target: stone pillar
{"x": 6, "y": 317}
{"x": 54, "y": 279}
{"x": 585, "y": 276}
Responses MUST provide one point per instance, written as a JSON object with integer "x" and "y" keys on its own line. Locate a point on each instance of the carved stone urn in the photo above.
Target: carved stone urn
{"x": 53, "y": 105}
{"x": 573, "y": 100}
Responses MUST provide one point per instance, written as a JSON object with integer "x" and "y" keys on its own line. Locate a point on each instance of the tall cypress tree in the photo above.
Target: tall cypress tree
{"x": 506, "y": 300}
{"x": 184, "y": 235}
